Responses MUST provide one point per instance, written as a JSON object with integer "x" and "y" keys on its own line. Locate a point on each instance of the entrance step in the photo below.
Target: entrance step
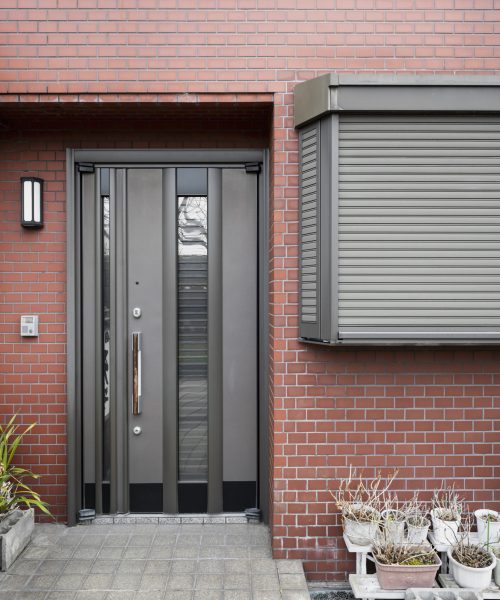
{"x": 153, "y": 561}
{"x": 165, "y": 519}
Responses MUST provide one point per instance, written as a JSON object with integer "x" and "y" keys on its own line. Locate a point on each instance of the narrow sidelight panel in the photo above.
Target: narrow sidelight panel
{"x": 192, "y": 302}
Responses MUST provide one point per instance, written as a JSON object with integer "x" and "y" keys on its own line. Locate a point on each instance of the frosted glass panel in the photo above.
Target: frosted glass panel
{"x": 106, "y": 329}
{"x": 192, "y": 296}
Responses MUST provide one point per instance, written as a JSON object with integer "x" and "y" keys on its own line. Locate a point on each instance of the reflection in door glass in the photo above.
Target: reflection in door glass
{"x": 106, "y": 307}
{"x": 192, "y": 282}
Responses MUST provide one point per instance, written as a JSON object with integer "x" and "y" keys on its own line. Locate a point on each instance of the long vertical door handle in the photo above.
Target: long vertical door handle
{"x": 136, "y": 373}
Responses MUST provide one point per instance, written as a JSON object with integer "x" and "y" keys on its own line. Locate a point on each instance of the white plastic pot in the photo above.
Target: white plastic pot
{"x": 360, "y": 532}
{"x": 469, "y": 577}
{"x": 417, "y": 535}
{"x": 496, "y": 573}
{"x": 488, "y": 532}
{"x": 445, "y": 532}
{"x": 394, "y": 526}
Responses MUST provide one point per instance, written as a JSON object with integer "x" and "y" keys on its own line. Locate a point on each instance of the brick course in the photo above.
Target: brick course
{"x": 83, "y": 73}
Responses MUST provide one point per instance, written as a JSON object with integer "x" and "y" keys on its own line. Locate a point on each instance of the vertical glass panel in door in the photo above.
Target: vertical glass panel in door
{"x": 106, "y": 332}
{"x": 192, "y": 306}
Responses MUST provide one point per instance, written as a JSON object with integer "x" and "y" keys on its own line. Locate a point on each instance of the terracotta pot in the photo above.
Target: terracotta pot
{"x": 402, "y": 577}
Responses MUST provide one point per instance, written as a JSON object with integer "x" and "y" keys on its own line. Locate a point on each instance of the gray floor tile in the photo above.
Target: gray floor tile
{"x": 209, "y": 582}
{"x": 30, "y": 595}
{"x": 186, "y": 552}
{"x": 90, "y": 595}
{"x": 153, "y": 582}
{"x": 237, "y": 566}
{"x": 98, "y": 581}
{"x": 295, "y": 595}
{"x": 180, "y": 582}
{"x": 104, "y": 565}
{"x": 208, "y": 595}
{"x": 60, "y": 596}
{"x": 157, "y": 566}
{"x": 132, "y": 567}
{"x": 136, "y": 552}
{"x": 237, "y": 581}
{"x": 149, "y": 595}
{"x": 184, "y": 566}
{"x": 49, "y": 567}
{"x": 292, "y": 581}
{"x": 209, "y": 565}
{"x": 161, "y": 552}
{"x": 178, "y": 595}
{"x": 265, "y": 582}
{"x": 24, "y": 567}
{"x": 41, "y": 582}
{"x": 69, "y": 582}
{"x": 120, "y": 595}
{"x": 124, "y": 581}
{"x": 237, "y": 595}
{"x": 266, "y": 595}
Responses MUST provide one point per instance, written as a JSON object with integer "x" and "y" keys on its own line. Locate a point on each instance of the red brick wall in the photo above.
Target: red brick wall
{"x": 430, "y": 412}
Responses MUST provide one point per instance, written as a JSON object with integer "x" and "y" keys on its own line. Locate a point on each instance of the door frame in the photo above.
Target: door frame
{"x": 157, "y": 158}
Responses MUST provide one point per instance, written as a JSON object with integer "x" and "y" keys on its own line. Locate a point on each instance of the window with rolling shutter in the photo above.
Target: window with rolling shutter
{"x": 419, "y": 225}
{"x": 309, "y": 229}
{"x": 400, "y": 209}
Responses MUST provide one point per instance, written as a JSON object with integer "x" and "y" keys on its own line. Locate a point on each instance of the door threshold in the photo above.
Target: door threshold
{"x": 168, "y": 519}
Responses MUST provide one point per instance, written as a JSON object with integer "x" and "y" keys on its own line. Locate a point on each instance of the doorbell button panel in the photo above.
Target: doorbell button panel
{"x": 137, "y": 312}
{"x": 29, "y": 325}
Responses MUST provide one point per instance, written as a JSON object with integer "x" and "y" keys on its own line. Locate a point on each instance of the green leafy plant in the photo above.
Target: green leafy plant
{"x": 14, "y": 492}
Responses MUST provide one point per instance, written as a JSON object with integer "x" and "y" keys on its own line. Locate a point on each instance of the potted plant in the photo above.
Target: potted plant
{"x": 417, "y": 528}
{"x": 16, "y": 524}
{"x": 496, "y": 570}
{"x": 401, "y": 566}
{"x": 488, "y": 526}
{"x": 417, "y": 524}
{"x": 359, "y": 501}
{"x": 393, "y": 521}
{"x": 446, "y": 515}
{"x": 471, "y": 565}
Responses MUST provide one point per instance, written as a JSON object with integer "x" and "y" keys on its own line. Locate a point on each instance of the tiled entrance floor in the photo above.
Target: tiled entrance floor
{"x": 152, "y": 562}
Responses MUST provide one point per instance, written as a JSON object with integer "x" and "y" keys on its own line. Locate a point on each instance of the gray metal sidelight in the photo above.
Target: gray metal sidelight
{"x": 400, "y": 244}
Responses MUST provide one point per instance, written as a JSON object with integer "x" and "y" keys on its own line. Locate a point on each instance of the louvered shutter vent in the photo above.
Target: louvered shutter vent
{"x": 309, "y": 231}
{"x": 419, "y": 225}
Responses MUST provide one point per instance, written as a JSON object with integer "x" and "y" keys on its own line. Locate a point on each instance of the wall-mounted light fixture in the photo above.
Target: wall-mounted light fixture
{"x": 31, "y": 202}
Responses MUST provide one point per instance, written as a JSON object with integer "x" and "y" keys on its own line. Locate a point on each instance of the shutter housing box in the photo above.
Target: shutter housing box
{"x": 399, "y": 209}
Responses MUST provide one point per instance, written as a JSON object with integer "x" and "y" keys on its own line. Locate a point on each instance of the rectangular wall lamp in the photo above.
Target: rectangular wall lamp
{"x": 31, "y": 202}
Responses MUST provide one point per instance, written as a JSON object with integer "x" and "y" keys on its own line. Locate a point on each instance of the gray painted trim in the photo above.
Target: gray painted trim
{"x": 115, "y": 297}
{"x": 332, "y": 156}
{"x": 336, "y": 93}
{"x": 263, "y": 321}
{"x": 98, "y": 369}
{"x": 73, "y": 468}
{"x": 121, "y": 346}
{"x": 170, "y": 320}
{"x": 170, "y": 157}
{"x": 214, "y": 341}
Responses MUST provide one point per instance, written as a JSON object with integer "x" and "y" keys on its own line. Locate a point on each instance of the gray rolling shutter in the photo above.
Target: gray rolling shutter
{"x": 419, "y": 226}
{"x": 310, "y": 281}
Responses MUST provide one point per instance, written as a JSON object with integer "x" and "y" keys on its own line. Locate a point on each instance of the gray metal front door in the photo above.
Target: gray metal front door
{"x": 169, "y": 338}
